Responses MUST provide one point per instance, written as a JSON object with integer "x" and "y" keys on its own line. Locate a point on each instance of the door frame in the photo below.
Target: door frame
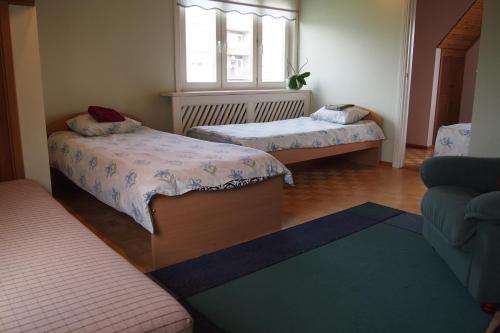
{"x": 434, "y": 96}
{"x": 409, "y": 17}
{"x": 443, "y": 53}
{"x": 8, "y": 98}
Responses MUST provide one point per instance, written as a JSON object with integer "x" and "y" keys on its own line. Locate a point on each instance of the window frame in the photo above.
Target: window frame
{"x": 221, "y": 31}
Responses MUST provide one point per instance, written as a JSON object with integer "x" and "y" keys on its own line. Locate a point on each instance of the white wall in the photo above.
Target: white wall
{"x": 115, "y": 53}
{"x": 28, "y": 76}
{"x": 120, "y": 53}
{"x": 485, "y": 141}
{"x": 354, "y": 50}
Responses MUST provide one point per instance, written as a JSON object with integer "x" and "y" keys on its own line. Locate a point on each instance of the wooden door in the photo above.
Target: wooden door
{"x": 11, "y": 160}
{"x": 449, "y": 95}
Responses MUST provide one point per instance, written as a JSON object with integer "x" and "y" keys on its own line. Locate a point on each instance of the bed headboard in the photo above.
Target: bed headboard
{"x": 376, "y": 118}
{"x": 60, "y": 123}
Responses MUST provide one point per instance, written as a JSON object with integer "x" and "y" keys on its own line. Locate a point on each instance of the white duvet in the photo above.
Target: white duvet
{"x": 126, "y": 170}
{"x": 303, "y": 132}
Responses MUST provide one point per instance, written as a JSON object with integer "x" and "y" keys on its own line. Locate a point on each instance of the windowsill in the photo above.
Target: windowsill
{"x": 233, "y": 92}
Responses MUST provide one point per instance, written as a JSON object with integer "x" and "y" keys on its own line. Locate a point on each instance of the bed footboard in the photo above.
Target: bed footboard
{"x": 198, "y": 223}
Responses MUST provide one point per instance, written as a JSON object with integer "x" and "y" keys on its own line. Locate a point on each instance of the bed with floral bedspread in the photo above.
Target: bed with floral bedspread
{"x": 126, "y": 170}
{"x": 303, "y": 132}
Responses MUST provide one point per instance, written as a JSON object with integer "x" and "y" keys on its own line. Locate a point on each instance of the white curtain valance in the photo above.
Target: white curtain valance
{"x": 276, "y": 8}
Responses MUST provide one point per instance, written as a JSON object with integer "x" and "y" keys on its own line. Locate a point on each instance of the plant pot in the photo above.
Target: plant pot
{"x": 293, "y": 84}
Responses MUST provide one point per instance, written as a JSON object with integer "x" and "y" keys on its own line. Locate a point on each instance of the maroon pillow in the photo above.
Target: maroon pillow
{"x": 105, "y": 115}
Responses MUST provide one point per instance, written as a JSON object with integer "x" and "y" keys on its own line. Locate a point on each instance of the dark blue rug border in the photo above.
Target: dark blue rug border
{"x": 206, "y": 272}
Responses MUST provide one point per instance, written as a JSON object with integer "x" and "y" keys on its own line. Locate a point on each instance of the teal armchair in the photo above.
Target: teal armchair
{"x": 461, "y": 211}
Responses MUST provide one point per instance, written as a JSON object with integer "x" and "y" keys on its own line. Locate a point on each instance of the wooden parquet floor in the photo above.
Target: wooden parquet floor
{"x": 326, "y": 186}
{"x": 321, "y": 187}
{"x": 414, "y": 157}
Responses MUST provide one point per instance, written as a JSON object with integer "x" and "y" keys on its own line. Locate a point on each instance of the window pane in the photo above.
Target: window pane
{"x": 201, "y": 45}
{"x": 273, "y": 49}
{"x": 239, "y": 47}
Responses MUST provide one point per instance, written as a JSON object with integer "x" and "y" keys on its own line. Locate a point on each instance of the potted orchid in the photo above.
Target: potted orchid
{"x": 297, "y": 79}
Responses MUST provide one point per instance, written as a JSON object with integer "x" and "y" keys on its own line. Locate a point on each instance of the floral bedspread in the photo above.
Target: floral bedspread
{"x": 303, "y": 132}
{"x": 453, "y": 140}
{"x": 126, "y": 170}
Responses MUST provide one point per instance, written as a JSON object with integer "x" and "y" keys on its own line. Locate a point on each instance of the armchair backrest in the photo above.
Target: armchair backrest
{"x": 481, "y": 174}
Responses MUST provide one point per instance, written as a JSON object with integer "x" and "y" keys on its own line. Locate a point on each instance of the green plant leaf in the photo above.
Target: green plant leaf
{"x": 301, "y": 78}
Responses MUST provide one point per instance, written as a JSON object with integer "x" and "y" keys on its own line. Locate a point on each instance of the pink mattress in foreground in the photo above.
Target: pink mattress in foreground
{"x": 55, "y": 275}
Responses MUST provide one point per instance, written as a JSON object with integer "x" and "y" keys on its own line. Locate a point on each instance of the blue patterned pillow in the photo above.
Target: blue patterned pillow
{"x": 347, "y": 116}
{"x": 87, "y": 126}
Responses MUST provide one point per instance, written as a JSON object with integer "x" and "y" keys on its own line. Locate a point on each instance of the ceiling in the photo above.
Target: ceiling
{"x": 466, "y": 31}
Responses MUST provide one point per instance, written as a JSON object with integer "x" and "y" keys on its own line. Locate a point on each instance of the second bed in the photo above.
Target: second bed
{"x": 304, "y": 138}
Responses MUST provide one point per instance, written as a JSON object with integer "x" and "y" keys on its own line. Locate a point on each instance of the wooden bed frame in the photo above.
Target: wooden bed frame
{"x": 198, "y": 223}
{"x": 367, "y": 152}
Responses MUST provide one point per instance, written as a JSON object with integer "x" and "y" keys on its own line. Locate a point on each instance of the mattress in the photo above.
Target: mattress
{"x": 453, "y": 140}
{"x": 126, "y": 170}
{"x": 56, "y": 276}
{"x": 303, "y": 132}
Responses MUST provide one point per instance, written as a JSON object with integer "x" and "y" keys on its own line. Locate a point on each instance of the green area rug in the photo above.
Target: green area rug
{"x": 382, "y": 279}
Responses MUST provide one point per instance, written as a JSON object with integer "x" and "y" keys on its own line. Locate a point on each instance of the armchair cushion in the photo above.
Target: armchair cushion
{"x": 481, "y": 174}
{"x": 444, "y": 207}
{"x": 485, "y": 207}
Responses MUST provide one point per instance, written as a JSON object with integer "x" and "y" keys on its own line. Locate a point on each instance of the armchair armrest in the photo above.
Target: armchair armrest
{"x": 485, "y": 207}
{"x": 481, "y": 174}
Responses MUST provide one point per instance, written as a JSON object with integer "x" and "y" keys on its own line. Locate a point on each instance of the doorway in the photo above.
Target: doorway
{"x": 444, "y": 55}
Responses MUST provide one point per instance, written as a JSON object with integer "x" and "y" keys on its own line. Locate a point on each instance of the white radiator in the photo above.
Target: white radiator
{"x": 190, "y": 109}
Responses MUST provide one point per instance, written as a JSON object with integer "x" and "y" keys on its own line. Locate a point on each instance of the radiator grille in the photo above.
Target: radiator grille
{"x": 191, "y": 109}
{"x": 217, "y": 114}
{"x": 278, "y": 110}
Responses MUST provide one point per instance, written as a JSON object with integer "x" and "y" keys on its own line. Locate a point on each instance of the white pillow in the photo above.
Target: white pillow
{"x": 347, "y": 116}
{"x": 86, "y": 125}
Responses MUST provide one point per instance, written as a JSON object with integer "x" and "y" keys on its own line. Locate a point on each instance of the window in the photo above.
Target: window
{"x": 273, "y": 49}
{"x": 239, "y": 47}
{"x": 201, "y": 50}
{"x": 232, "y": 50}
